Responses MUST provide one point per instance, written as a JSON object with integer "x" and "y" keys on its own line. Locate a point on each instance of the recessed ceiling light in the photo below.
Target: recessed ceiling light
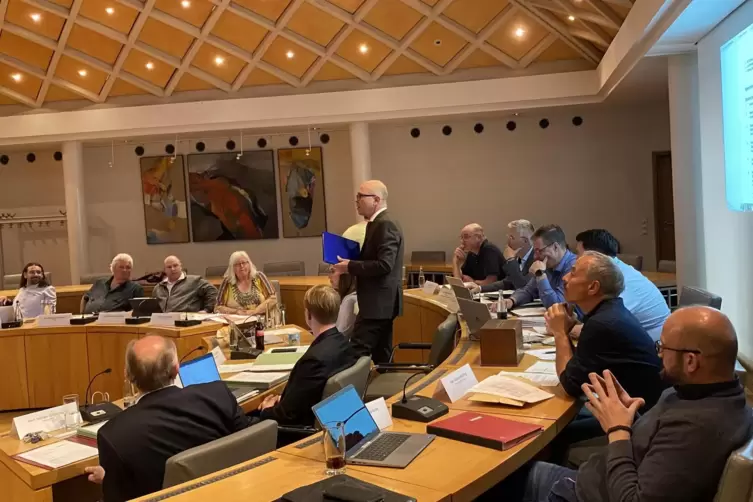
{"x": 219, "y": 60}
{"x": 520, "y": 32}
{"x": 83, "y": 72}
{"x": 363, "y": 48}
{"x": 36, "y": 17}
{"x": 17, "y": 77}
{"x": 185, "y": 4}
{"x": 571, "y": 18}
{"x": 149, "y": 65}
{"x": 290, "y": 54}
{"x": 110, "y": 11}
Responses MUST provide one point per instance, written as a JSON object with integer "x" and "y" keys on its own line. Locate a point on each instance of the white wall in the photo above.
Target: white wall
{"x": 727, "y": 235}
{"x": 595, "y": 175}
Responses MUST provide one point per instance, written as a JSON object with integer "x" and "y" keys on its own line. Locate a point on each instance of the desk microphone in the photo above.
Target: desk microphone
{"x": 418, "y": 408}
{"x": 200, "y": 347}
{"x": 94, "y": 413}
{"x": 88, "y": 388}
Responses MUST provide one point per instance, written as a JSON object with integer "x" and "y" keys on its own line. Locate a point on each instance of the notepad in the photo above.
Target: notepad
{"x": 262, "y": 381}
{"x": 510, "y": 389}
{"x": 57, "y": 454}
{"x": 276, "y": 361}
{"x": 90, "y": 431}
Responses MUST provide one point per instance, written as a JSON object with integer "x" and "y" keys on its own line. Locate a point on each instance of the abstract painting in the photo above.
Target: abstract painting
{"x": 232, "y": 197}
{"x": 302, "y": 192}
{"x": 163, "y": 184}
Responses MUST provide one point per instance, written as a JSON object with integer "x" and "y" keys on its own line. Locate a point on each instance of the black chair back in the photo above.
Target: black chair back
{"x": 444, "y": 340}
{"x": 696, "y": 296}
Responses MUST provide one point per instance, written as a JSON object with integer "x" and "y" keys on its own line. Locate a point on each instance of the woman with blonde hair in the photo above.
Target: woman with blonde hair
{"x": 244, "y": 289}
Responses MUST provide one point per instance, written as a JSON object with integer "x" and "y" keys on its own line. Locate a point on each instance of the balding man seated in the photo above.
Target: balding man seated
{"x": 166, "y": 420}
{"x": 676, "y": 452}
{"x": 179, "y": 292}
{"x": 476, "y": 259}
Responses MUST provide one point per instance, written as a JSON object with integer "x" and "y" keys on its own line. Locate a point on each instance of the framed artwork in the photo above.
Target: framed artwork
{"x": 232, "y": 198}
{"x": 301, "y": 177}
{"x": 163, "y": 186}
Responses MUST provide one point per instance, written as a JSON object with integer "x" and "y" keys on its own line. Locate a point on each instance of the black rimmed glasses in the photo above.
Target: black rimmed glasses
{"x": 360, "y": 195}
{"x": 661, "y": 347}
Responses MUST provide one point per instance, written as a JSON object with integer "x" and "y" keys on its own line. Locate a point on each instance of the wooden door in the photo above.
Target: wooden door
{"x": 664, "y": 210}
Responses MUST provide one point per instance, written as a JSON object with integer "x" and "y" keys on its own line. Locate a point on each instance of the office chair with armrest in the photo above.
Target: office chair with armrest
{"x": 11, "y": 281}
{"x": 391, "y": 377}
{"x": 285, "y": 268}
{"x": 92, "y": 278}
{"x": 667, "y": 266}
{"x": 634, "y": 260}
{"x": 418, "y": 257}
{"x": 696, "y": 296}
{"x": 324, "y": 268}
{"x": 221, "y": 453}
{"x": 215, "y": 271}
{"x": 736, "y": 482}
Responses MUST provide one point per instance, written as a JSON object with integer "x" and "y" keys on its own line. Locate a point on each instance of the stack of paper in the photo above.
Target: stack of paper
{"x": 235, "y": 368}
{"x": 548, "y": 354}
{"x": 533, "y": 322}
{"x": 57, "y": 455}
{"x": 505, "y": 390}
{"x": 529, "y": 312}
{"x": 261, "y": 381}
{"x": 541, "y": 379}
{"x": 90, "y": 431}
{"x": 545, "y": 367}
{"x": 271, "y": 361}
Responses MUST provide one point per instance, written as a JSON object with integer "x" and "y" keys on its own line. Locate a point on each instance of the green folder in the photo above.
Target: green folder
{"x": 276, "y": 361}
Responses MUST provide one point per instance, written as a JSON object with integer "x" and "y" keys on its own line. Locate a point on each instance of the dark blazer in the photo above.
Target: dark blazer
{"x": 515, "y": 278}
{"x": 135, "y": 444}
{"x": 379, "y": 270}
{"x": 329, "y": 354}
{"x": 100, "y": 298}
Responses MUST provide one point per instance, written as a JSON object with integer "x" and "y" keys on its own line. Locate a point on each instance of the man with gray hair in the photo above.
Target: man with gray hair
{"x": 518, "y": 257}
{"x": 611, "y": 339}
{"x": 166, "y": 420}
{"x": 112, "y": 294}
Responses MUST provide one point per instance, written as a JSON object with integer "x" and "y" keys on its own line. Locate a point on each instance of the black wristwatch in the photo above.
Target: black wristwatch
{"x": 539, "y": 273}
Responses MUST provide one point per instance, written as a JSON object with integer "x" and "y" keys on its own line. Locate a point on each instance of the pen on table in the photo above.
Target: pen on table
{"x": 551, "y": 352}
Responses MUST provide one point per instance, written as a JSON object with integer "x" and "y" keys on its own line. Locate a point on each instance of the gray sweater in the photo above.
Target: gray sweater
{"x": 677, "y": 451}
{"x": 190, "y": 294}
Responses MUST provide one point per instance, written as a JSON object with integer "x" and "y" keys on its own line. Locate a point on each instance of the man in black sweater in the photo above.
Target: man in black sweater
{"x": 611, "y": 338}
{"x": 676, "y": 452}
{"x": 166, "y": 420}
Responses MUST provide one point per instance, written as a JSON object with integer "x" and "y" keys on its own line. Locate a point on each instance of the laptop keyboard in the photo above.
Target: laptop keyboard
{"x": 382, "y": 447}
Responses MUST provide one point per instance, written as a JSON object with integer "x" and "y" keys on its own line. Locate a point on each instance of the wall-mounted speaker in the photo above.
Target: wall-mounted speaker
{"x": 577, "y": 121}
{"x": 139, "y": 150}
{"x": 230, "y": 145}
{"x": 293, "y": 140}
{"x": 415, "y": 132}
{"x": 324, "y": 138}
{"x": 511, "y": 125}
{"x": 478, "y": 128}
{"x": 200, "y": 146}
{"x": 4, "y": 159}
{"x": 261, "y": 142}
{"x": 447, "y": 130}
{"x": 170, "y": 149}
{"x": 57, "y": 156}
{"x": 31, "y": 157}
{"x": 544, "y": 123}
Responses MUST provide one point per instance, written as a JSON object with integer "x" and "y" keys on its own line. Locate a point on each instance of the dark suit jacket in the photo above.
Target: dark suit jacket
{"x": 134, "y": 445}
{"x": 379, "y": 270}
{"x": 329, "y": 354}
{"x": 515, "y": 278}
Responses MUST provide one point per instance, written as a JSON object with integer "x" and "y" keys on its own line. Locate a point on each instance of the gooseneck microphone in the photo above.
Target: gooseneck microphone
{"x": 88, "y": 387}
{"x": 405, "y": 386}
{"x": 200, "y": 347}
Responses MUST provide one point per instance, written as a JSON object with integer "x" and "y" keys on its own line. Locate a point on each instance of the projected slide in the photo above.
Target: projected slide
{"x": 737, "y": 103}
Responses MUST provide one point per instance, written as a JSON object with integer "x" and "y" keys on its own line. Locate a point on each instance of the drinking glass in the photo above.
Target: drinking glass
{"x": 72, "y": 418}
{"x": 282, "y": 315}
{"x": 129, "y": 394}
{"x": 334, "y": 448}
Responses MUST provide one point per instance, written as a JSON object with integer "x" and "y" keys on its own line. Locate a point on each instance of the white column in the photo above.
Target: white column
{"x": 360, "y": 154}
{"x": 685, "y": 130}
{"x": 75, "y": 205}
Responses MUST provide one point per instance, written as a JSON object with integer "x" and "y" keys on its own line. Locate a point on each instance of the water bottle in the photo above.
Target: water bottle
{"x": 501, "y": 307}
{"x": 421, "y": 277}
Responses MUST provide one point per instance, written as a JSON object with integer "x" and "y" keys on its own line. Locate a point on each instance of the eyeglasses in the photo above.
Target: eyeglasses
{"x": 541, "y": 250}
{"x": 360, "y": 195}
{"x": 660, "y": 347}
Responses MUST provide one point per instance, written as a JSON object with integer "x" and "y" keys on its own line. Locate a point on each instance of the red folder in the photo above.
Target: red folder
{"x": 484, "y": 430}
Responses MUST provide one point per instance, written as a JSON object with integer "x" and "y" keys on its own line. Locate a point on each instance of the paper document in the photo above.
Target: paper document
{"x": 235, "y": 368}
{"x": 249, "y": 377}
{"x": 90, "y": 430}
{"x": 298, "y": 349}
{"x": 281, "y": 331}
{"x": 545, "y": 367}
{"x": 511, "y": 388}
{"x": 540, "y": 329}
{"x": 58, "y": 454}
{"x": 533, "y": 322}
{"x": 542, "y": 379}
{"x": 531, "y": 336}
{"x": 548, "y": 354}
{"x": 529, "y": 312}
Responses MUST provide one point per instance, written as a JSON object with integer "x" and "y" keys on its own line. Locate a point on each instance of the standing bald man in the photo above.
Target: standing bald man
{"x": 678, "y": 449}
{"x": 378, "y": 273}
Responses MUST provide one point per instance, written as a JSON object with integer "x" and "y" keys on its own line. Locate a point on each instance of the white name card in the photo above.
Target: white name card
{"x": 112, "y": 317}
{"x": 430, "y": 288}
{"x": 379, "y": 412}
{"x": 449, "y": 298}
{"x": 48, "y": 420}
{"x": 219, "y": 356}
{"x": 160, "y": 319}
{"x": 54, "y": 320}
{"x": 458, "y": 383}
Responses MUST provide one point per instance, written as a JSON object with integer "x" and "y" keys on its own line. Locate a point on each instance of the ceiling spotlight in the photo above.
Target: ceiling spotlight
{"x": 520, "y": 32}
{"x": 363, "y": 48}
{"x": 110, "y": 11}
{"x": 219, "y": 60}
{"x": 185, "y": 4}
{"x": 17, "y": 77}
{"x": 290, "y": 54}
{"x": 36, "y": 17}
{"x": 149, "y": 65}
{"x": 571, "y": 18}
{"x": 82, "y": 73}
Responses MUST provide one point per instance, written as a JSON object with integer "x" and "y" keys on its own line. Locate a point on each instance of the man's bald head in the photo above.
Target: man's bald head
{"x": 371, "y": 197}
{"x": 707, "y": 330}
{"x": 375, "y": 187}
{"x": 173, "y": 268}
{"x": 151, "y": 362}
{"x": 471, "y": 237}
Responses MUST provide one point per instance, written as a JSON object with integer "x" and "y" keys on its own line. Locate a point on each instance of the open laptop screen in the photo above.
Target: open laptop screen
{"x": 200, "y": 370}
{"x": 347, "y": 405}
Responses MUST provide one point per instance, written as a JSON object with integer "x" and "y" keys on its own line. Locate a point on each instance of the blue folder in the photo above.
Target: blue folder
{"x": 334, "y": 245}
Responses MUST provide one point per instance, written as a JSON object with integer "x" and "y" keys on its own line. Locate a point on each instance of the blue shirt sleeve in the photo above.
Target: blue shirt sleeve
{"x": 550, "y": 295}
{"x": 526, "y": 294}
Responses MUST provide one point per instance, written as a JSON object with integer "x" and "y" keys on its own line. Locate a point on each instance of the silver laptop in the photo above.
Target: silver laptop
{"x": 462, "y": 292}
{"x": 475, "y": 314}
{"x": 364, "y": 443}
{"x": 453, "y": 281}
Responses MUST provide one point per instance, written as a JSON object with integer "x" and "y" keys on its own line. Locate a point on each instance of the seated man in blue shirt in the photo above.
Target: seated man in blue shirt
{"x": 552, "y": 261}
{"x": 641, "y": 297}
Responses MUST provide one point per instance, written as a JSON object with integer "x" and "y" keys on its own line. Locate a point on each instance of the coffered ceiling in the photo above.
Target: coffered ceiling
{"x": 95, "y": 50}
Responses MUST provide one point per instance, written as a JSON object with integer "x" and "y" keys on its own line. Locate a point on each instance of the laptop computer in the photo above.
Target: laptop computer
{"x": 365, "y": 444}
{"x": 144, "y": 307}
{"x": 453, "y": 281}
{"x": 204, "y": 370}
{"x": 462, "y": 292}
{"x": 475, "y": 314}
